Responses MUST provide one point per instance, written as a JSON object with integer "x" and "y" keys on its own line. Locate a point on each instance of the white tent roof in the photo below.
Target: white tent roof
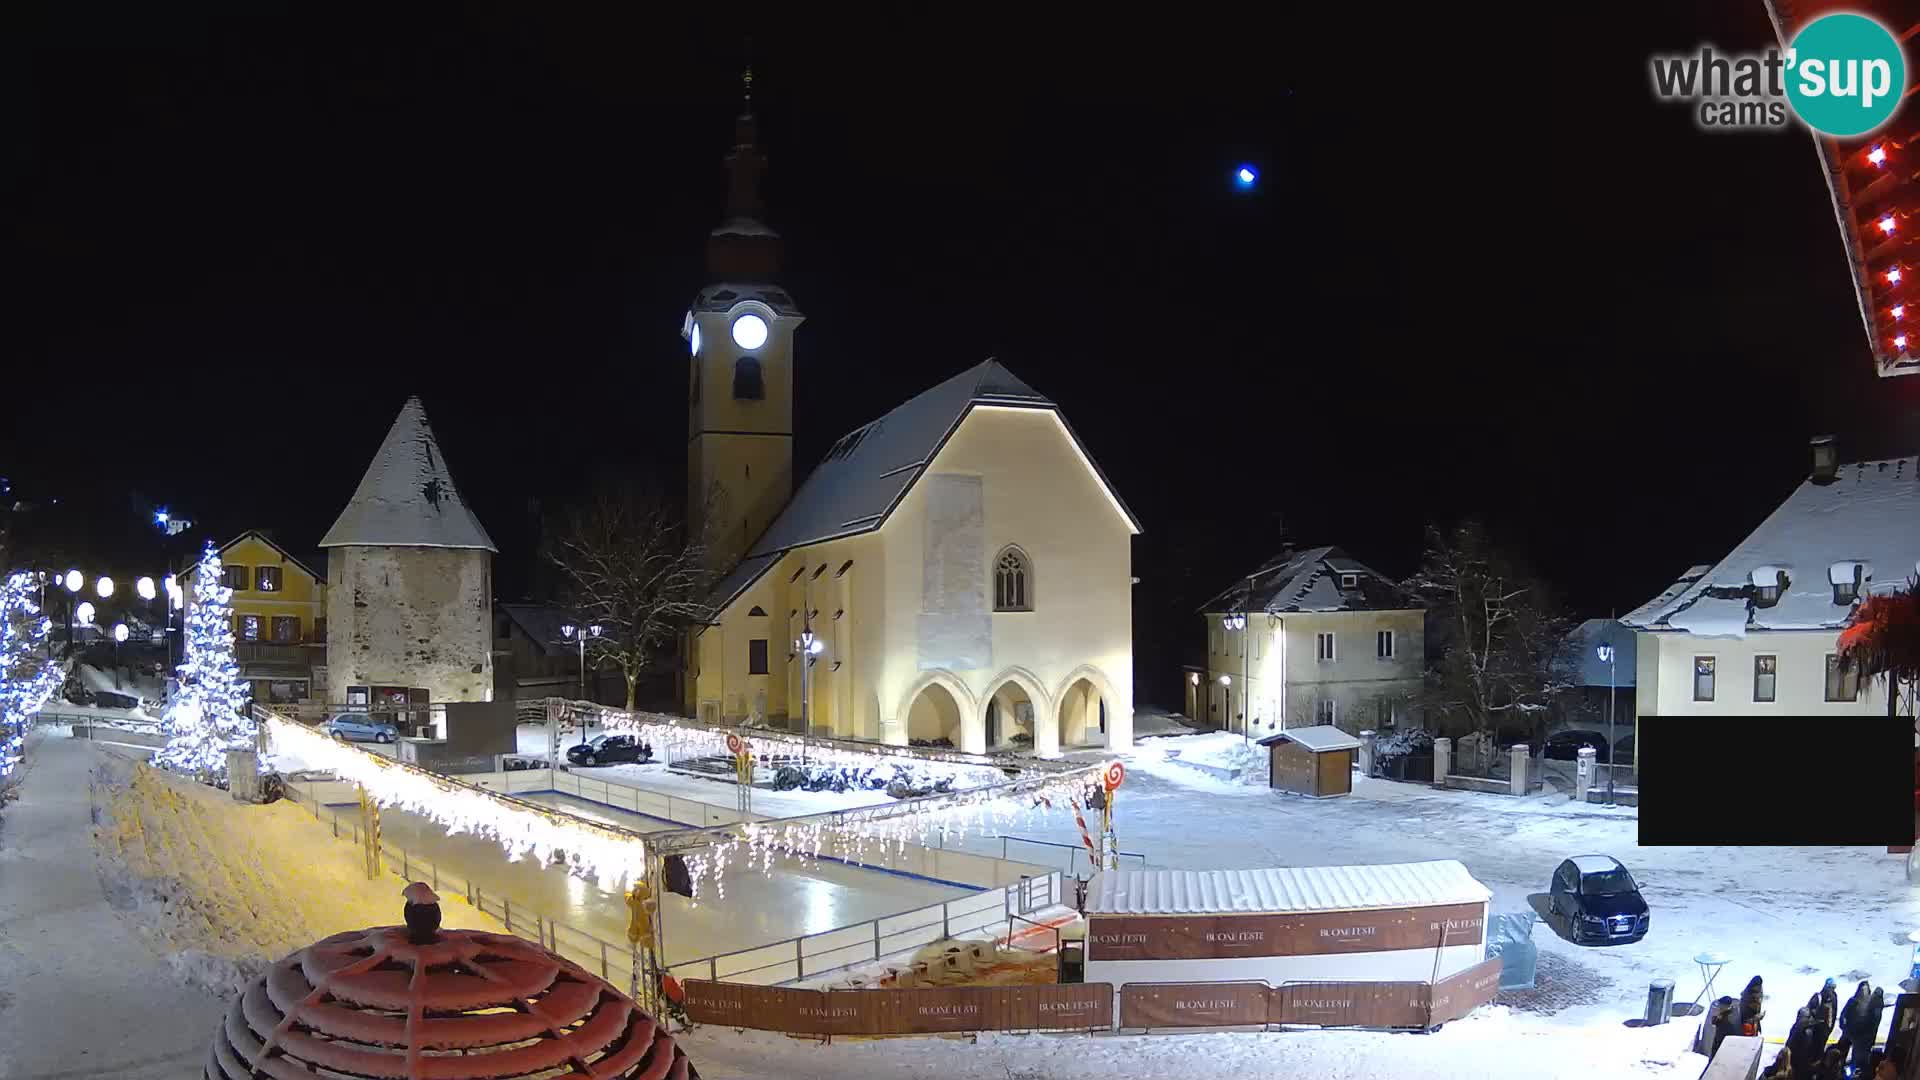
{"x": 1286, "y": 889}
{"x": 407, "y": 497}
{"x": 1318, "y": 738}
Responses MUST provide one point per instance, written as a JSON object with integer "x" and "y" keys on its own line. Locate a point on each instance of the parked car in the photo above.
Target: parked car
{"x": 609, "y": 750}
{"x": 1566, "y": 745}
{"x": 1599, "y": 901}
{"x": 1623, "y": 751}
{"x": 359, "y": 727}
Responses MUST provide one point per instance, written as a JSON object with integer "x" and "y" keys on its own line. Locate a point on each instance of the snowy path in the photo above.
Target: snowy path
{"x": 78, "y": 986}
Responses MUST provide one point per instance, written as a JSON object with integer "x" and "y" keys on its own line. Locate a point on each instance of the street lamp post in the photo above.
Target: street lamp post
{"x": 1606, "y": 654}
{"x": 580, "y": 636}
{"x": 119, "y": 637}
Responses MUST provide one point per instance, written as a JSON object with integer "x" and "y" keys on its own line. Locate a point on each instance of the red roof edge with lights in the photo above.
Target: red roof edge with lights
{"x": 1875, "y": 181}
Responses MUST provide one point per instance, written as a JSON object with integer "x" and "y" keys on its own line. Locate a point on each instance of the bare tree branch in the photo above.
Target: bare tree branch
{"x": 628, "y": 564}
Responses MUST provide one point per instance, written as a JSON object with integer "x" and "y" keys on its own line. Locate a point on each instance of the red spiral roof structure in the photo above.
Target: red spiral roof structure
{"x": 371, "y": 1004}
{"x": 1875, "y": 178}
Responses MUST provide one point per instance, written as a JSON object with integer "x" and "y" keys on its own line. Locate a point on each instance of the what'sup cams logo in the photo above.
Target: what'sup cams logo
{"x": 1842, "y": 75}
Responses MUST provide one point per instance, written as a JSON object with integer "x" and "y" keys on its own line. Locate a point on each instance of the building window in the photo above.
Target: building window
{"x": 1846, "y": 592}
{"x": 1383, "y": 644}
{"x": 320, "y": 629}
{"x": 234, "y": 577}
{"x": 1843, "y": 684}
{"x": 248, "y": 627}
{"x": 1012, "y": 581}
{"x": 1325, "y": 711}
{"x": 1383, "y": 712}
{"x": 757, "y": 611}
{"x": 266, "y": 578}
{"x": 1323, "y": 647}
{"x": 757, "y": 656}
{"x": 1349, "y": 581}
{"x": 1213, "y": 637}
{"x": 747, "y": 384}
{"x": 286, "y": 629}
{"x": 1703, "y": 678}
{"x": 1764, "y": 670}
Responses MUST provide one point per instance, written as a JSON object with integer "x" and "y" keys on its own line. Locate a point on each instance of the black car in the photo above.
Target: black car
{"x": 1566, "y": 745}
{"x": 1599, "y": 901}
{"x": 609, "y": 750}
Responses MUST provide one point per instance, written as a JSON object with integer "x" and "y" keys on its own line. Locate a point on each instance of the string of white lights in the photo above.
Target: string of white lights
{"x": 610, "y": 855}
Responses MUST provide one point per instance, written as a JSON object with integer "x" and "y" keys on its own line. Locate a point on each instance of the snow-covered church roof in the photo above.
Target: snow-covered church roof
{"x": 407, "y": 497}
{"x": 1866, "y": 520}
{"x": 1309, "y": 580}
{"x": 870, "y": 469}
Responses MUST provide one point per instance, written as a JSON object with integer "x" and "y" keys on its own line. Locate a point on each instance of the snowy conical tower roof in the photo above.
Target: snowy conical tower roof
{"x": 407, "y": 498}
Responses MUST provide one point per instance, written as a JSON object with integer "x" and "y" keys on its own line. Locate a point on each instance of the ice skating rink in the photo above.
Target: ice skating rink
{"x": 792, "y": 900}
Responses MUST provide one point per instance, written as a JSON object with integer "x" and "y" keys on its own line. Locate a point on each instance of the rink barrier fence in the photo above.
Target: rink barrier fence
{"x": 1142, "y": 1007}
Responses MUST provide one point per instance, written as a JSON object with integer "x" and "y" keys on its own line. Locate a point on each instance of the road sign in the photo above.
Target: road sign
{"x": 734, "y": 745}
{"x": 1116, "y": 774}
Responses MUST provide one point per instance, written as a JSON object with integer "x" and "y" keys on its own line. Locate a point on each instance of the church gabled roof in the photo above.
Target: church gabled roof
{"x": 870, "y": 469}
{"x": 407, "y": 497}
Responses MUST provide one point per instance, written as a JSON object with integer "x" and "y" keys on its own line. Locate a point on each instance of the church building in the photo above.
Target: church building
{"x": 957, "y": 572}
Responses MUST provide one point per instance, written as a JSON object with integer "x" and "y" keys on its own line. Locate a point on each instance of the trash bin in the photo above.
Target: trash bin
{"x": 1659, "y": 1001}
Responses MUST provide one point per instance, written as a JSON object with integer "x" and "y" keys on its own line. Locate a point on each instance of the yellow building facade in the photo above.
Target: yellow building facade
{"x": 279, "y": 618}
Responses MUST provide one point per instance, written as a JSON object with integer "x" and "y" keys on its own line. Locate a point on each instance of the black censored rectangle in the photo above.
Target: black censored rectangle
{"x": 1795, "y": 781}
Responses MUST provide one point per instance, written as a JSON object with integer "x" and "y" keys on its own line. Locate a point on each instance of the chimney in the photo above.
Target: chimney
{"x": 1826, "y": 459}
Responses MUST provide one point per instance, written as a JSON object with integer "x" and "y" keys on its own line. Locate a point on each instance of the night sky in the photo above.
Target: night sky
{"x": 237, "y": 241}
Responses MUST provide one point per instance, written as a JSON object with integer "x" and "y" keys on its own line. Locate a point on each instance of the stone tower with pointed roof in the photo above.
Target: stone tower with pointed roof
{"x": 410, "y": 571}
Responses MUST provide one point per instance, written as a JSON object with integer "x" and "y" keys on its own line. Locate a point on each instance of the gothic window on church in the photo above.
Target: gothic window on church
{"x": 1012, "y": 581}
{"x": 747, "y": 383}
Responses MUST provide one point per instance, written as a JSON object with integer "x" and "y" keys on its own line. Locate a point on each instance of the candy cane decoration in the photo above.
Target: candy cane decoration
{"x": 1085, "y": 837}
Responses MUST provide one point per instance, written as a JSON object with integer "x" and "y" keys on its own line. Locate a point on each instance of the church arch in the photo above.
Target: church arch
{"x": 1084, "y": 702}
{"x": 1008, "y": 692}
{"x": 927, "y": 701}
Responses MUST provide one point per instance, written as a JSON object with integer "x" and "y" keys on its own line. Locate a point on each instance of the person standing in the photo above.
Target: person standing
{"x": 1752, "y": 1007}
{"x": 1831, "y": 999}
{"x": 1867, "y": 1031}
{"x": 1799, "y": 1035}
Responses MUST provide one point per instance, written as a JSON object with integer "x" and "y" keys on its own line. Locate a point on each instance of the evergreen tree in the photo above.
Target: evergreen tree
{"x": 208, "y": 716}
{"x": 27, "y": 676}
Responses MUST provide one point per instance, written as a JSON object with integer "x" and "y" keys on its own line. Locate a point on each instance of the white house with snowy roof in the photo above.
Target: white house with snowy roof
{"x": 1756, "y": 632}
{"x": 957, "y": 571}
{"x": 410, "y": 581}
{"x": 1312, "y": 636}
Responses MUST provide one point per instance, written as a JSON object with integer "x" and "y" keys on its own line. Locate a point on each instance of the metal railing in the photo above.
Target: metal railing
{"x": 813, "y": 955}
{"x": 614, "y": 962}
{"x": 1078, "y": 851}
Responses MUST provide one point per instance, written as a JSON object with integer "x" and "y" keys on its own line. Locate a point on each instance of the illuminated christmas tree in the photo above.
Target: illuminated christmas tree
{"x": 208, "y": 716}
{"x": 27, "y": 675}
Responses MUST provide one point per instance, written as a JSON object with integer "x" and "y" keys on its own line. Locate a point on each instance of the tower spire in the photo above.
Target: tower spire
{"x": 743, "y": 247}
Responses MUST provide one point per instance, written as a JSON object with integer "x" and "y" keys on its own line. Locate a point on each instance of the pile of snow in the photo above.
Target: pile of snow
{"x": 1220, "y": 761}
{"x": 1494, "y": 1043}
{"x": 223, "y": 889}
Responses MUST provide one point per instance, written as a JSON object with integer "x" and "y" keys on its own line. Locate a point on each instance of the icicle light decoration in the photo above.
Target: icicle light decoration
{"x": 607, "y": 854}
{"x": 871, "y": 834}
{"x": 676, "y": 738}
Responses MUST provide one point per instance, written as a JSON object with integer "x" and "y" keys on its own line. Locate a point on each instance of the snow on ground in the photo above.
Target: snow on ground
{"x": 223, "y": 888}
{"x": 81, "y": 995}
{"x": 1495, "y": 1044}
{"x": 1792, "y": 916}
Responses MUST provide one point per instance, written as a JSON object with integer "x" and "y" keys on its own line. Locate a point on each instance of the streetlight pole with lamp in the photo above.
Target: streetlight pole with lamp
{"x": 119, "y": 638}
{"x": 580, "y": 635}
{"x": 1606, "y": 655}
{"x": 808, "y": 648}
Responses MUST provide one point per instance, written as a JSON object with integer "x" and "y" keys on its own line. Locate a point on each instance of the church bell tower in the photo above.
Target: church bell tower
{"x": 740, "y": 381}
